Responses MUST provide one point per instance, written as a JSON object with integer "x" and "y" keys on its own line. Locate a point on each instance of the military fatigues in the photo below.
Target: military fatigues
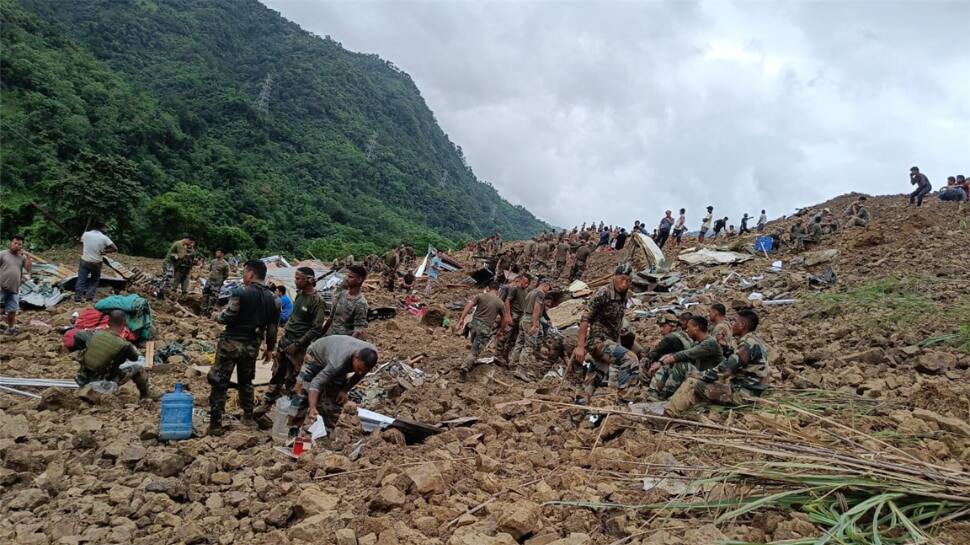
{"x": 738, "y": 377}
{"x": 104, "y": 353}
{"x": 527, "y": 345}
{"x": 218, "y": 273}
{"x": 668, "y": 377}
{"x": 348, "y": 314}
{"x": 814, "y": 235}
{"x": 179, "y": 263}
{"x": 860, "y": 218}
{"x": 328, "y": 363}
{"x": 488, "y": 307}
{"x": 391, "y": 262}
{"x": 304, "y": 326}
{"x": 253, "y": 313}
{"x": 723, "y": 329}
{"x": 562, "y": 252}
{"x": 516, "y": 297}
{"x": 701, "y": 357}
{"x": 798, "y": 235}
{"x": 579, "y": 264}
{"x": 604, "y": 313}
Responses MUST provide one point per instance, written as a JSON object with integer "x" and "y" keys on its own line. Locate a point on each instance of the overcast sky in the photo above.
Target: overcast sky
{"x": 619, "y": 110}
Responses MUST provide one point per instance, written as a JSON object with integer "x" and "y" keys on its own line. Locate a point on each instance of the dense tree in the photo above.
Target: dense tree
{"x": 222, "y": 119}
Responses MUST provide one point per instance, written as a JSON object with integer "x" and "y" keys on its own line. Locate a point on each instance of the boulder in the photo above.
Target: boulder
{"x": 314, "y": 500}
{"x": 427, "y": 479}
{"x": 519, "y": 519}
{"x": 13, "y": 426}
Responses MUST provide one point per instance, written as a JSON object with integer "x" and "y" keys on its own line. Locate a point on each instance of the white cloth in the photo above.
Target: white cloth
{"x": 94, "y": 244}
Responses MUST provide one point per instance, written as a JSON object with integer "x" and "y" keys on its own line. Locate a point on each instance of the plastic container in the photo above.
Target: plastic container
{"x": 282, "y": 412}
{"x": 176, "y": 421}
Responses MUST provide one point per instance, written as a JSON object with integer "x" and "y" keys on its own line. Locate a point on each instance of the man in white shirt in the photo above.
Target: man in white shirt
{"x": 96, "y": 244}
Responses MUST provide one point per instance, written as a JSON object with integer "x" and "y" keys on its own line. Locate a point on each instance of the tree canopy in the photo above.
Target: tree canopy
{"x": 222, "y": 120}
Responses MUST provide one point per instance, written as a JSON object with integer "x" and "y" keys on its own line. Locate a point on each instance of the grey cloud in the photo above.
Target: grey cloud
{"x": 620, "y": 110}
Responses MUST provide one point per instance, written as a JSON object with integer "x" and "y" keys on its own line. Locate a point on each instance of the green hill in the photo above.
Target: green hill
{"x": 222, "y": 119}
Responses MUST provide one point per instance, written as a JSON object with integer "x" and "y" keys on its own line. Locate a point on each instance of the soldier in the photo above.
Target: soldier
{"x": 514, "y": 296}
{"x": 814, "y": 234}
{"x": 348, "y": 315}
{"x": 579, "y": 262}
{"x": 179, "y": 260}
{"x": 391, "y": 262}
{"x": 218, "y": 273}
{"x": 486, "y": 320}
{"x": 722, "y": 329}
{"x": 306, "y": 324}
{"x": 674, "y": 340}
{"x": 562, "y": 253}
{"x": 104, "y": 353}
{"x": 325, "y": 379}
{"x": 797, "y": 235}
{"x": 599, "y": 333}
{"x": 739, "y": 377}
{"x": 527, "y": 345}
{"x": 829, "y": 225}
{"x": 859, "y": 215}
{"x": 252, "y": 314}
{"x": 703, "y": 355}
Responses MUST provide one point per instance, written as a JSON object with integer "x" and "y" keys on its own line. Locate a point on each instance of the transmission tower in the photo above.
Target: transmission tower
{"x": 262, "y": 103}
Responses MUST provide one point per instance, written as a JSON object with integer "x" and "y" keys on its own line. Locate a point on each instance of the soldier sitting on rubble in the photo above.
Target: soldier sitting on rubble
{"x": 704, "y": 354}
{"x": 674, "y": 340}
{"x": 741, "y": 376}
{"x": 105, "y": 351}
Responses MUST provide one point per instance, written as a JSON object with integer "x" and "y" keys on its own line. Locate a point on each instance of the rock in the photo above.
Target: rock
{"x": 873, "y": 356}
{"x": 280, "y": 514}
{"x": 434, "y": 317}
{"x": 519, "y": 519}
{"x": 315, "y": 500}
{"x": 163, "y": 463}
{"x": 174, "y": 488}
{"x": 471, "y": 536}
{"x": 191, "y": 533}
{"x": 333, "y": 463}
{"x": 85, "y": 423}
{"x": 311, "y": 529}
{"x": 388, "y": 498}
{"x": 239, "y": 440}
{"x": 168, "y": 519}
{"x": 935, "y": 362}
{"x": 28, "y": 499}
{"x": 346, "y": 536}
{"x": 220, "y": 477}
{"x": 707, "y": 534}
{"x": 120, "y": 494}
{"x": 55, "y": 399}
{"x": 574, "y": 538}
{"x": 953, "y": 425}
{"x": 14, "y": 426}
{"x": 132, "y": 454}
{"x": 427, "y": 479}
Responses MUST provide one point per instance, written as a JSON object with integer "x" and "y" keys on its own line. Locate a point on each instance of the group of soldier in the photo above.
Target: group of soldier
{"x": 823, "y": 224}
{"x": 697, "y": 359}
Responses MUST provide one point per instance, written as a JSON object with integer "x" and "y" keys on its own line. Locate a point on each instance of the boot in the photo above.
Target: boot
{"x": 215, "y": 429}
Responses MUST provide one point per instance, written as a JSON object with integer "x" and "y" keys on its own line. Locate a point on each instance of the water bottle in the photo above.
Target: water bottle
{"x": 282, "y": 412}
{"x": 176, "y": 422}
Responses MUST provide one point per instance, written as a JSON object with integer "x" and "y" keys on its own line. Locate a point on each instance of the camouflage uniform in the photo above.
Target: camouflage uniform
{"x": 668, "y": 377}
{"x": 814, "y": 235}
{"x": 798, "y": 235}
{"x": 562, "y": 252}
{"x": 516, "y": 298}
{"x": 103, "y": 354}
{"x": 724, "y": 328}
{"x": 218, "y": 273}
{"x": 579, "y": 264}
{"x": 180, "y": 258}
{"x": 304, "y": 326}
{"x": 488, "y": 307}
{"x": 391, "y": 262}
{"x": 740, "y": 376}
{"x": 527, "y": 346}
{"x": 252, "y": 313}
{"x": 860, "y": 218}
{"x": 604, "y": 313}
{"x": 348, "y": 315}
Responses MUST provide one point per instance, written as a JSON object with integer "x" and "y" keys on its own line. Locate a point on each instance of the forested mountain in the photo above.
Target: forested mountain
{"x": 222, "y": 119}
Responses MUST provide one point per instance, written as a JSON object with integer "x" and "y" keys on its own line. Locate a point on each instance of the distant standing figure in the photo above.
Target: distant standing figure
{"x": 762, "y": 220}
{"x": 13, "y": 263}
{"x": 218, "y": 273}
{"x": 180, "y": 258}
{"x": 663, "y": 230}
{"x": 286, "y": 304}
{"x": 680, "y": 227}
{"x": 744, "y": 225}
{"x": 923, "y": 186}
{"x": 706, "y": 224}
{"x": 95, "y": 244}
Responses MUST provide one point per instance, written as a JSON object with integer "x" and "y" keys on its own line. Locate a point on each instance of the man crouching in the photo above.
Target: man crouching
{"x": 325, "y": 378}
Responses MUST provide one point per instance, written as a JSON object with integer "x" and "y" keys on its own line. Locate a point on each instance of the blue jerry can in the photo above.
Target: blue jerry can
{"x": 176, "y": 421}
